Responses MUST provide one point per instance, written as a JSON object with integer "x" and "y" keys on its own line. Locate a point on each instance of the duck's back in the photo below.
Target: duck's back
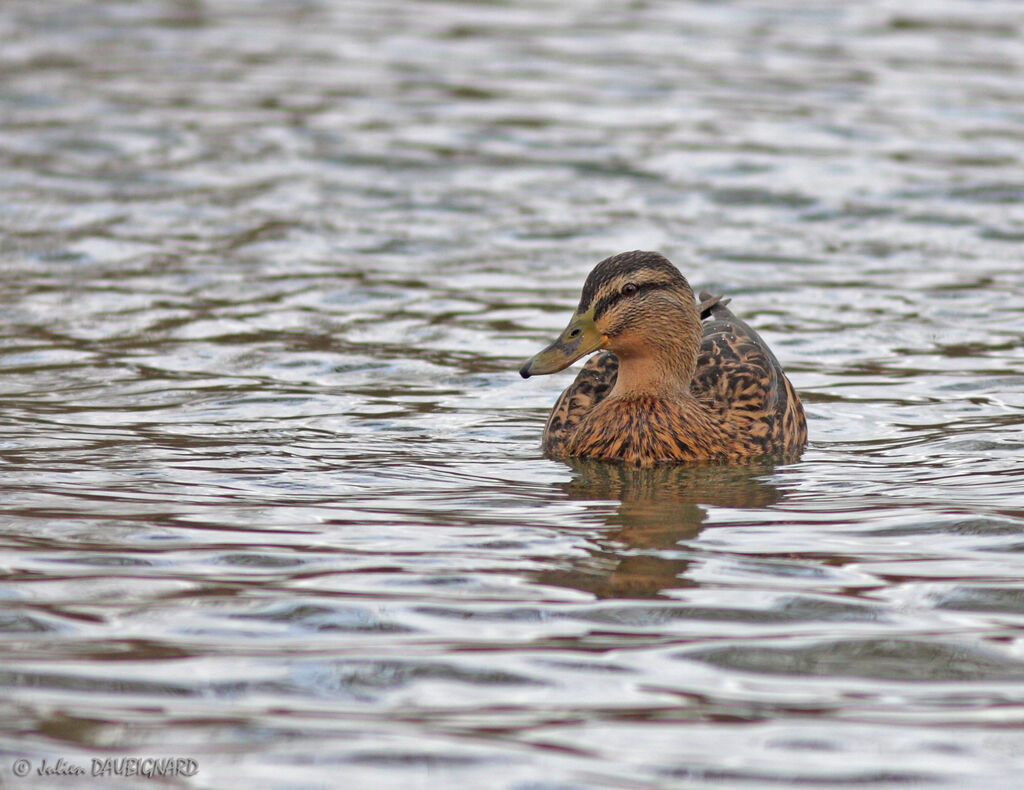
{"x": 740, "y": 380}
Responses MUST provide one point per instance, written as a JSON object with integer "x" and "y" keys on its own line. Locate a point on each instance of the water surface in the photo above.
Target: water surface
{"x": 273, "y": 492}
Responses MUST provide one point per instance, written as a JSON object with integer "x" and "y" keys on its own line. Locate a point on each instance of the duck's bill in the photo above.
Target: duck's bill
{"x": 577, "y": 340}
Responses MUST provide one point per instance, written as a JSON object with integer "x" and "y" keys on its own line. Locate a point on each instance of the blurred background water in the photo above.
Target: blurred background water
{"x": 273, "y": 497}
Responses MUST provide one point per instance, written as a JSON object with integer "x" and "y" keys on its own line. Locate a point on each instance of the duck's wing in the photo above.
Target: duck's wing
{"x": 739, "y": 377}
{"x": 590, "y": 387}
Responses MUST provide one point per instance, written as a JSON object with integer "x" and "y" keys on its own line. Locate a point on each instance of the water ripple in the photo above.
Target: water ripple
{"x": 274, "y": 495}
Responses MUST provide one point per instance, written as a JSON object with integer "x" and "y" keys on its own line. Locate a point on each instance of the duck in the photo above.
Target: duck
{"x": 677, "y": 381}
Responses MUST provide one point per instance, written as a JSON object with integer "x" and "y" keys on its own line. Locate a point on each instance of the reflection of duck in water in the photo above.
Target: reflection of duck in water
{"x": 669, "y": 388}
{"x": 657, "y": 508}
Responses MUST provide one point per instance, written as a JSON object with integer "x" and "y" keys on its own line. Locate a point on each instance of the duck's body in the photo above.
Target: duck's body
{"x": 740, "y": 405}
{"x": 672, "y": 387}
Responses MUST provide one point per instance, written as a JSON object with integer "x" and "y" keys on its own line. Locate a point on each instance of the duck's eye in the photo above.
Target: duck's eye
{"x": 628, "y": 289}
{"x": 575, "y": 333}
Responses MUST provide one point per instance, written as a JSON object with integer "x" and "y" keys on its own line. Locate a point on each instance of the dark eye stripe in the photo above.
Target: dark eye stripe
{"x": 605, "y": 302}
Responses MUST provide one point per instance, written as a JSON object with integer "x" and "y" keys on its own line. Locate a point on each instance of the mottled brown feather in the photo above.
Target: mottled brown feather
{"x": 740, "y": 406}
{"x": 594, "y": 381}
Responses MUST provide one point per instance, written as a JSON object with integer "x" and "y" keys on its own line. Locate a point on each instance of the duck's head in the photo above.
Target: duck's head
{"x": 632, "y": 303}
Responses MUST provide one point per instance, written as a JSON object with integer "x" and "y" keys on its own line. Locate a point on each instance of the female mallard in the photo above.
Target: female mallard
{"x": 670, "y": 388}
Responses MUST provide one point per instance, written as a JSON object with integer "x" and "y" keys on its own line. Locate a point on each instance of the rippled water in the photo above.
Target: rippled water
{"x": 273, "y": 493}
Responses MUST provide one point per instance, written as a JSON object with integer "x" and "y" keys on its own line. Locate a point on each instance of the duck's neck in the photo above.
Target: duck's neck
{"x": 659, "y": 366}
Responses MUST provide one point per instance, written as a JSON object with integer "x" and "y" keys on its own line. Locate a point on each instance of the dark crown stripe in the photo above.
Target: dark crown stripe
{"x": 623, "y": 265}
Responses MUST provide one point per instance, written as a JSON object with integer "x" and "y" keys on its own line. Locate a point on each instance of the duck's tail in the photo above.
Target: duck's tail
{"x": 713, "y": 305}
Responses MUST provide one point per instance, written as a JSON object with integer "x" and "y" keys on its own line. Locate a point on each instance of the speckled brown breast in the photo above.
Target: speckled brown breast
{"x": 591, "y": 386}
